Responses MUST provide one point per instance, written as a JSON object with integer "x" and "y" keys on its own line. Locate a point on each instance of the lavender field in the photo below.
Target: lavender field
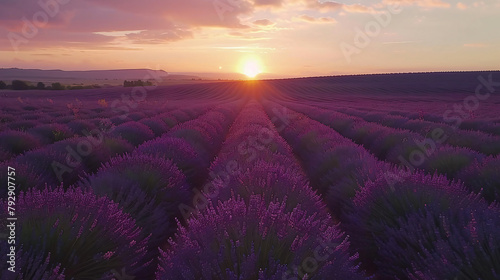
{"x": 354, "y": 177}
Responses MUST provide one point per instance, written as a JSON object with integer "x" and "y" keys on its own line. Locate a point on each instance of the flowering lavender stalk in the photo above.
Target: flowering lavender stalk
{"x": 134, "y": 132}
{"x": 180, "y": 152}
{"x": 28, "y": 180}
{"x": 148, "y": 188}
{"x": 451, "y": 160}
{"x": 380, "y": 205}
{"x": 458, "y": 243}
{"x": 88, "y": 236}
{"x": 483, "y": 177}
{"x": 255, "y": 241}
{"x": 156, "y": 125}
{"x": 49, "y": 164}
{"x": 50, "y": 133}
{"x": 31, "y": 265}
{"x": 17, "y": 142}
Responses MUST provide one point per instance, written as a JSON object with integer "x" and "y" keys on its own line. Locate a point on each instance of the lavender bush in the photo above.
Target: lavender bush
{"x": 236, "y": 241}
{"x": 88, "y": 236}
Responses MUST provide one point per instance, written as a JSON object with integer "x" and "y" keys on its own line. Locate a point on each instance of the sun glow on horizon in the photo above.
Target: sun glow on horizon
{"x": 251, "y": 67}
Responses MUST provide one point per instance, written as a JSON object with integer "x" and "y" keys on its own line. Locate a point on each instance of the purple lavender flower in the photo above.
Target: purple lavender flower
{"x": 86, "y": 235}
{"x": 17, "y": 142}
{"x": 30, "y": 265}
{"x": 53, "y": 167}
{"x": 483, "y": 177}
{"x": 181, "y": 153}
{"x": 261, "y": 240}
{"x": 156, "y": 125}
{"x": 25, "y": 180}
{"x": 134, "y": 132}
{"x": 451, "y": 160}
{"x": 384, "y": 203}
{"x": 458, "y": 243}
{"x": 50, "y": 133}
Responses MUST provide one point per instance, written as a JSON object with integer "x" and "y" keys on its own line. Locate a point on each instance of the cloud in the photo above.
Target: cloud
{"x": 326, "y": 6}
{"x": 475, "y": 45}
{"x": 110, "y": 15}
{"x": 47, "y": 38}
{"x": 263, "y": 22}
{"x": 221, "y": 13}
{"x": 310, "y": 19}
{"x": 159, "y": 36}
{"x": 358, "y": 8}
{"x": 81, "y": 20}
{"x": 274, "y": 3}
{"x": 420, "y": 3}
{"x": 461, "y": 6}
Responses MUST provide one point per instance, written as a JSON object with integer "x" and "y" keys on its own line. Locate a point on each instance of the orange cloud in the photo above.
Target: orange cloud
{"x": 358, "y": 8}
{"x": 310, "y": 19}
{"x": 461, "y": 6}
{"x": 420, "y": 3}
{"x": 263, "y": 22}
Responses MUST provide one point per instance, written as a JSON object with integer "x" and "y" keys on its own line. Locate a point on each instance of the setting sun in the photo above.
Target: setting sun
{"x": 251, "y": 68}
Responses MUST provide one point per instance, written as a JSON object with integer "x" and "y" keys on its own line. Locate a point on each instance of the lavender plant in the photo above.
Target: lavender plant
{"x": 86, "y": 235}
{"x": 255, "y": 241}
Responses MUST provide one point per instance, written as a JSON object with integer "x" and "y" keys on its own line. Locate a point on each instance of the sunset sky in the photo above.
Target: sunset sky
{"x": 285, "y": 37}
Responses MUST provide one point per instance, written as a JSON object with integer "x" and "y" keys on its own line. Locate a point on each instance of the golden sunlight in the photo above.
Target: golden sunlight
{"x": 251, "y": 67}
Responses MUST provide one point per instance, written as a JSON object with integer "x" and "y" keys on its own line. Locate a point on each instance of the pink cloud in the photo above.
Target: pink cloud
{"x": 461, "y": 6}
{"x": 323, "y": 6}
{"x": 420, "y": 3}
{"x": 275, "y": 3}
{"x": 310, "y": 19}
{"x": 358, "y": 8}
{"x": 263, "y": 22}
{"x": 159, "y": 36}
{"x": 47, "y": 38}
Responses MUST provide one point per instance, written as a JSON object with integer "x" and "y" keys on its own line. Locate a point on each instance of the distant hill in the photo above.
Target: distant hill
{"x": 113, "y": 77}
{"x": 38, "y": 74}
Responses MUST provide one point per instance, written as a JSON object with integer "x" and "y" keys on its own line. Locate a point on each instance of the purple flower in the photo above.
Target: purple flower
{"x": 134, "y": 132}
{"x": 50, "y": 133}
{"x": 385, "y": 202}
{"x": 47, "y": 225}
{"x": 181, "y": 153}
{"x": 436, "y": 244}
{"x": 483, "y": 177}
{"x": 156, "y": 125}
{"x": 239, "y": 241}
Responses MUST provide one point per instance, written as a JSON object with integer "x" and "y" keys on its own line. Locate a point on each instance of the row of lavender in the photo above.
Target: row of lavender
{"x": 32, "y": 121}
{"x": 114, "y": 219}
{"x": 433, "y": 153}
{"x": 67, "y": 160}
{"x": 477, "y": 140}
{"x": 34, "y": 131}
{"x": 445, "y": 119}
{"x": 408, "y": 226}
{"x": 257, "y": 218}
{"x": 460, "y": 110}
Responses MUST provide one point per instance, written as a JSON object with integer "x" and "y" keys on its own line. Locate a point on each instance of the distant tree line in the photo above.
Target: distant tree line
{"x": 138, "y": 83}
{"x": 23, "y": 85}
